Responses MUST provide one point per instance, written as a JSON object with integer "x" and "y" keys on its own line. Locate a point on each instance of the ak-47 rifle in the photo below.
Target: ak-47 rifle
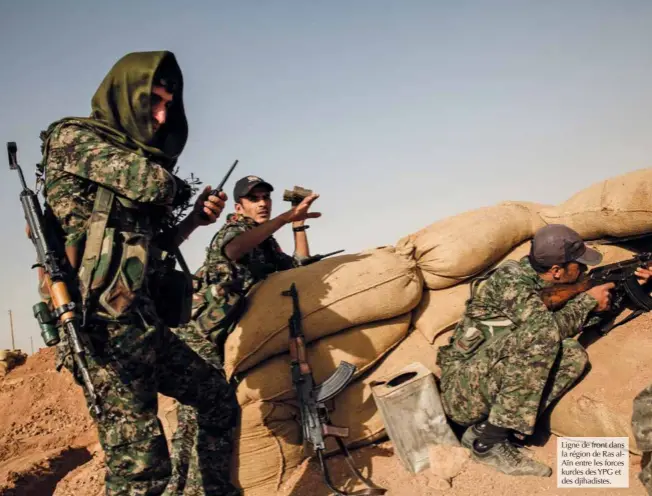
{"x": 312, "y": 401}
{"x": 620, "y": 273}
{"x": 52, "y": 262}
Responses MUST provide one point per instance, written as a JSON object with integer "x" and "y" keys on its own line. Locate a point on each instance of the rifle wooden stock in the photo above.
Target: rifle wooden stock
{"x": 556, "y": 296}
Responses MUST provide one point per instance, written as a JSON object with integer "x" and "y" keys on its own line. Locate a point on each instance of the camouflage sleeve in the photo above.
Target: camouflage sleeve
{"x": 79, "y": 152}
{"x": 572, "y": 318}
{"x": 522, "y": 304}
{"x": 642, "y": 419}
{"x": 230, "y": 232}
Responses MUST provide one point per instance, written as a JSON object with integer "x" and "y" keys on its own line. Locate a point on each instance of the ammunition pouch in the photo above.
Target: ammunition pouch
{"x": 116, "y": 260}
{"x": 130, "y": 251}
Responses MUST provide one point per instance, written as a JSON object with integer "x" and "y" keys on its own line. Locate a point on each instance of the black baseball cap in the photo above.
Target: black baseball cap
{"x": 246, "y": 184}
{"x": 556, "y": 244}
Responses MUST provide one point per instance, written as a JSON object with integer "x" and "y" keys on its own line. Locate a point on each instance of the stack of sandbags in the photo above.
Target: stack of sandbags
{"x": 10, "y": 359}
{"x": 456, "y": 248}
{"x": 268, "y": 444}
{"x": 619, "y": 206}
{"x": 354, "y": 308}
{"x": 334, "y": 295}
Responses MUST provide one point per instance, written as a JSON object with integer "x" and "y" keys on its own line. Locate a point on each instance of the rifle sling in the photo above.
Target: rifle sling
{"x": 371, "y": 490}
{"x": 98, "y": 222}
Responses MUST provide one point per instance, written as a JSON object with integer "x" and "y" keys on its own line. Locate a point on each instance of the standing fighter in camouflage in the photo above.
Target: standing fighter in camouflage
{"x": 109, "y": 187}
{"x": 510, "y": 356}
{"x": 642, "y": 429}
{"x": 242, "y": 253}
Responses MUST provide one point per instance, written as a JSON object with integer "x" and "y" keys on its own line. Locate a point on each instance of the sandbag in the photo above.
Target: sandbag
{"x": 10, "y": 359}
{"x": 267, "y": 447}
{"x": 458, "y": 247}
{"x": 619, "y": 206}
{"x": 601, "y": 404}
{"x": 334, "y": 294}
{"x": 361, "y": 346}
{"x": 442, "y": 309}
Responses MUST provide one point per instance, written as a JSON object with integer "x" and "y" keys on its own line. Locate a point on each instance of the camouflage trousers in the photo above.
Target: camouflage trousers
{"x": 642, "y": 430}
{"x": 512, "y": 379}
{"x": 132, "y": 361}
{"x": 187, "y": 477}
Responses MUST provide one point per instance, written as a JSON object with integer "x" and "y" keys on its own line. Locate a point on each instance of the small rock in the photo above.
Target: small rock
{"x": 447, "y": 461}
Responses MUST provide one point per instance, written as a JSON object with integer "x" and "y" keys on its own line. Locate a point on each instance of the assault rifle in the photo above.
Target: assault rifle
{"x": 317, "y": 258}
{"x": 620, "y": 273}
{"x": 51, "y": 261}
{"x": 312, "y": 398}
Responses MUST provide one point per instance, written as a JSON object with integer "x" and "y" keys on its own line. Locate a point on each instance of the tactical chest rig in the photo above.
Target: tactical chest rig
{"x": 121, "y": 263}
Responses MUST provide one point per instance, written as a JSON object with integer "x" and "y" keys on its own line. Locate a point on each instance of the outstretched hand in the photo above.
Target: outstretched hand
{"x": 301, "y": 212}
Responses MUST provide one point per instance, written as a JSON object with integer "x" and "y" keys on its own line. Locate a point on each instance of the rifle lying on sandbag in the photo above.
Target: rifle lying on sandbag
{"x": 317, "y": 258}
{"x": 620, "y": 273}
{"x": 53, "y": 264}
{"x": 312, "y": 398}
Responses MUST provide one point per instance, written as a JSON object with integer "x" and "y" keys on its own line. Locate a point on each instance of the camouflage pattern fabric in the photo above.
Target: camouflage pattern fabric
{"x": 642, "y": 429}
{"x": 133, "y": 362}
{"x": 79, "y": 159}
{"x": 133, "y": 357}
{"x": 240, "y": 276}
{"x": 510, "y": 356}
{"x": 221, "y": 285}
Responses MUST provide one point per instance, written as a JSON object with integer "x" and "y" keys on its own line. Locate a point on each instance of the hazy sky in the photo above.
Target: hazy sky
{"x": 399, "y": 113}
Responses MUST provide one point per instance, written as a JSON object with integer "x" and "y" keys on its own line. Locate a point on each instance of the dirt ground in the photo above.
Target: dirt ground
{"x": 48, "y": 445}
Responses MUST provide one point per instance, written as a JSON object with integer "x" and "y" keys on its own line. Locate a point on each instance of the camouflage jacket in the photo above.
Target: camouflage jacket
{"x": 78, "y": 161}
{"x": 240, "y": 276}
{"x": 642, "y": 419}
{"x": 221, "y": 285}
{"x": 507, "y": 299}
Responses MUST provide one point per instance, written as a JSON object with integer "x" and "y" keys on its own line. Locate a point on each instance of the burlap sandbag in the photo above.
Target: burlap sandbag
{"x": 267, "y": 447}
{"x": 11, "y": 359}
{"x": 267, "y": 444}
{"x": 268, "y": 440}
{"x": 458, "y": 247}
{"x": 334, "y": 294}
{"x": 601, "y": 404}
{"x": 361, "y": 346}
{"x": 619, "y": 206}
{"x": 442, "y": 309}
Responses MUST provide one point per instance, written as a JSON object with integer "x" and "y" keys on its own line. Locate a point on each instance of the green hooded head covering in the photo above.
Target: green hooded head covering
{"x": 121, "y": 107}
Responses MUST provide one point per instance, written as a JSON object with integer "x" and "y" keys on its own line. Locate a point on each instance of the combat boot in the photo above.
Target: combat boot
{"x": 508, "y": 459}
{"x": 471, "y": 434}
